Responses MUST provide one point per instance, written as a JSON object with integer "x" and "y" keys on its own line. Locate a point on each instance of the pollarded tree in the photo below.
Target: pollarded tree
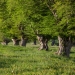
{"x": 41, "y": 21}
{"x": 64, "y": 13}
{"x": 3, "y": 16}
{"x": 12, "y": 17}
{"x": 33, "y": 19}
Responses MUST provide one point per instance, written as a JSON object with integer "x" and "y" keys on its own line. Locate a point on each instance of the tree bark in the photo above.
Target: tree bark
{"x": 34, "y": 41}
{"x": 15, "y": 41}
{"x": 43, "y": 42}
{"x": 23, "y": 41}
{"x": 65, "y": 45}
{"x": 5, "y": 41}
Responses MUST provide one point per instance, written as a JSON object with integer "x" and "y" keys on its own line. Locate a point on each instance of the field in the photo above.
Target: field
{"x": 15, "y": 60}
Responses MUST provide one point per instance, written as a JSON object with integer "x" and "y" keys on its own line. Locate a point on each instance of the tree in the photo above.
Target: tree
{"x": 41, "y": 20}
{"x": 64, "y": 13}
{"x": 12, "y": 17}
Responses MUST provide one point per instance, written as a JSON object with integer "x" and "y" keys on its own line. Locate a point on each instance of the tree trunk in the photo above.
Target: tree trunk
{"x": 65, "y": 45}
{"x": 15, "y": 41}
{"x": 34, "y": 41}
{"x": 5, "y": 41}
{"x": 53, "y": 42}
{"x": 43, "y": 42}
{"x": 23, "y": 41}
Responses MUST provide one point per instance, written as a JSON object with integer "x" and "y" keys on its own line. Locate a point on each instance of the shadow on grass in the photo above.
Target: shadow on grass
{"x": 6, "y": 62}
{"x": 72, "y": 52}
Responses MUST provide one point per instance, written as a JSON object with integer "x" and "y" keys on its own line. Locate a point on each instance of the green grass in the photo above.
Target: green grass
{"x": 15, "y": 60}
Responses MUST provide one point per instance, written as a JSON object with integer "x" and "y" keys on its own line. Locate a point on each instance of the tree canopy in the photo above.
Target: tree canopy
{"x": 33, "y": 15}
{"x": 51, "y": 17}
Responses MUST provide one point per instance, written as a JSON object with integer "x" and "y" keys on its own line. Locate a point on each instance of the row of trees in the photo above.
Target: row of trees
{"x": 42, "y": 18}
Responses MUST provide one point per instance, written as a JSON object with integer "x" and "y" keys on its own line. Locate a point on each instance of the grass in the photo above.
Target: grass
{"x": 15, "y": 60}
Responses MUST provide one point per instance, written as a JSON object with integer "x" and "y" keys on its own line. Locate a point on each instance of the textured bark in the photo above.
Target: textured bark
{"x": 15, "y": 41}
{"x": 43, "y": 42}
{"x": 65, "y": 45}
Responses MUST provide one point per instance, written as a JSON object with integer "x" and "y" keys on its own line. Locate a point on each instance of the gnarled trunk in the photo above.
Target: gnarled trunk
{"x": 43, "y": 42}
{"x": 65, "y": 45}
{"x": 15, "y": 41}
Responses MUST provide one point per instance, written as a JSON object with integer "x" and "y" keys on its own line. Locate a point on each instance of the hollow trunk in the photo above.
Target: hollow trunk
{"x": 23, "y": 41}
{"x": 43, "y": 42}
{"x": 65, "y": 45}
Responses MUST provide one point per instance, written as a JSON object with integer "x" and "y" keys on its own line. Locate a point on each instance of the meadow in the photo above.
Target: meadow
{"x": 16, "y": 60}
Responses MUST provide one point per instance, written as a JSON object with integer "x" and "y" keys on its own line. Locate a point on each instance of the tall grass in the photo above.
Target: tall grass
{"x": 15, "y": 60}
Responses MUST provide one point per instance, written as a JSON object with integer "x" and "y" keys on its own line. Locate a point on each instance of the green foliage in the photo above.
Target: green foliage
{"x": 29, "y": 61}
{"x": 1, "y": 36}
{"x": 65, "y": 17}
{"x": 37, "y": 15}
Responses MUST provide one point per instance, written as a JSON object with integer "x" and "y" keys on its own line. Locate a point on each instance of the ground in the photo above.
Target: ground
{"x": 16, "y": 60}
